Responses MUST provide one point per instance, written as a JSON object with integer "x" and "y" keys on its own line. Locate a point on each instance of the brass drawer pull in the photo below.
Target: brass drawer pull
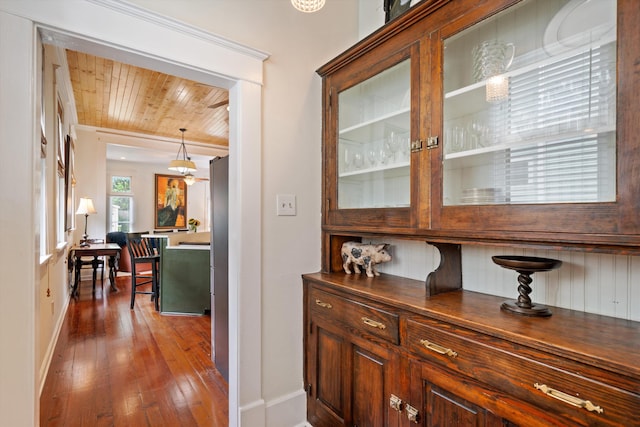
{"x": 567, "y": 398}
{"x": 438, "y": 348}
{"x": 323, "y": 304}
{"x": 373, "y": 323}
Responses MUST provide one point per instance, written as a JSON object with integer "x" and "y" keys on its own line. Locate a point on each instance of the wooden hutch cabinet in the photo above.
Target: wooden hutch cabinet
{"x": 495, "y": 120}
{"x": 476, "y": 122}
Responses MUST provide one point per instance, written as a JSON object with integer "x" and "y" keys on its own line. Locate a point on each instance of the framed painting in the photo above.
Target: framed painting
{"x": 171, "y": 202}
{"x": 395, "y": 8}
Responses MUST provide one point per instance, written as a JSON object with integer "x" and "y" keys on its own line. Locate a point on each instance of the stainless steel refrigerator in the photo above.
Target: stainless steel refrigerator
{"x": 219, "y": 180}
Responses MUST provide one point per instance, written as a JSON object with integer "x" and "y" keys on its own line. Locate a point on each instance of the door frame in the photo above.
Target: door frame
{"x": 239, "y": 67}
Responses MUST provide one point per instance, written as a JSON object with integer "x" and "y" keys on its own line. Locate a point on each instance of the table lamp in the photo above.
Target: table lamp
{"x": 85, "y": 208}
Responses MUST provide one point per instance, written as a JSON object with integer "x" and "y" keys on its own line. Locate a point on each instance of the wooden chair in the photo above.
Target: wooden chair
{"x": 94, "y": 263}
{"x": 120, "y": 238}
{"x": 145, "y": 267}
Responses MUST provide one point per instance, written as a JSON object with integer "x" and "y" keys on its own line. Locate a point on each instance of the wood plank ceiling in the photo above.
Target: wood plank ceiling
{"x": 114, "y": 95}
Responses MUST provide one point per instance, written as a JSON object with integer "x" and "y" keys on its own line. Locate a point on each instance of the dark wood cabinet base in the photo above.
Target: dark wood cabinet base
{"x": 381, "y": 351}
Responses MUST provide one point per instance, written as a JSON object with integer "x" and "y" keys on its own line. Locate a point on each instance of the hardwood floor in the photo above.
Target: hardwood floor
{"x": 113, "y": 366}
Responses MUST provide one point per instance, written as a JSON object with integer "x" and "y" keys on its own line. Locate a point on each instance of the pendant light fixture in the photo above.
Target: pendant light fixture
{"x": 182, "y": 163}
{"x": 308, "y": 5}
{"x": 497, "y": 89}
{"x": 189, "y": 179}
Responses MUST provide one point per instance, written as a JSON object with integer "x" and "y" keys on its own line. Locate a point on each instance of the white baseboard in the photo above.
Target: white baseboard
{"x": 252, "y": 414}
{"x": 46, "y": 362}
{"x": 288, "y": 410}
{"x": 285, "y": 411}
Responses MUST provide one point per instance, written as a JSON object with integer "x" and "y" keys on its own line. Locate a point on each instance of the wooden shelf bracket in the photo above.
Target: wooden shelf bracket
{"x": 448, "y": 276}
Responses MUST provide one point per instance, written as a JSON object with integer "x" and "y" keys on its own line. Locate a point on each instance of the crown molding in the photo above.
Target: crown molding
{"x": 116, "y": 133}
{"x": 136, "y": 11}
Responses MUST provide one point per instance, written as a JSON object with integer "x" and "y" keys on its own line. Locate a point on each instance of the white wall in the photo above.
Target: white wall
{"x": 18, "y": 310}
{"x": 91, "y": 175}
{"x": 143, "y": 191}
{"x": 370, "y": 16}
{"x": 53, "y": 295}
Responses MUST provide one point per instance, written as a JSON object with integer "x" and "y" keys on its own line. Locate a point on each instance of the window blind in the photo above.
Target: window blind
{"x": 573, "y": 170}
{"x": 565, "y": 112}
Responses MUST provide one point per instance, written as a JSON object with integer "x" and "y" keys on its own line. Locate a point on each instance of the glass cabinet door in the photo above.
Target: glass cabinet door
{"x": 529, "y": 112}
{"x": 373, "y": 150}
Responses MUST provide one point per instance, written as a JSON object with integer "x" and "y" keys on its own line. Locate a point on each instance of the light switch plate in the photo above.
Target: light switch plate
{"x": 286, "y": 204}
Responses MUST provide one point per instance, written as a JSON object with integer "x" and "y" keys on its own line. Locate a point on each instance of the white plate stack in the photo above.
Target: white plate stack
{"x": 482, "y": 196}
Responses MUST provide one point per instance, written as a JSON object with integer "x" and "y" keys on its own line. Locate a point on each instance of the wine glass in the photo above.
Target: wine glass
{"x": 384, "y": 156}
{"x": 406, "y": 147}
{"x": 393, "y": 144}
{"x": 347, "y": 159}
{"x": 372, "y": 157}
{"x": 358, "y": 160}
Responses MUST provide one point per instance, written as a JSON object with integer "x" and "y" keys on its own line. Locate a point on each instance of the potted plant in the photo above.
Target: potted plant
{"x": 193, "y": 225}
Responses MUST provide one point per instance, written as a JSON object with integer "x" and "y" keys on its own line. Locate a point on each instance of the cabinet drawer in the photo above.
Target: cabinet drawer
{"x": 357, "y": 317}
{"x": 570, "y": 389}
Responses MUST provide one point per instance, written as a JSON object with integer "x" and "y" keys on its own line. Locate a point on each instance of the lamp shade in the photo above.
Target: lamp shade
{"x": 308, "y": 5}
{"x": 86, "y": 207}
{"x": 182, "y": 166}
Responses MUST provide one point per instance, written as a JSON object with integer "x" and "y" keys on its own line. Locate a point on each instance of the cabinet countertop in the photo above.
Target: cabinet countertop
{"x": 191, "y": 246}
{"x": 601, "y": 341}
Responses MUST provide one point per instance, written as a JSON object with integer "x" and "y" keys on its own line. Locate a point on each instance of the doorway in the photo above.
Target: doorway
{"x": 245, "y": 136}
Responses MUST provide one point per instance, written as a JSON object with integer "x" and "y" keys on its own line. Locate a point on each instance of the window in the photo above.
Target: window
{"x": 121, "y": 209}
{"x": 60, "y": 188}
{"x": 42, "y": 170}
{"x": 121, "y": 184}
{"x": 121, "y": 204}
{"x": 42, "y": 205}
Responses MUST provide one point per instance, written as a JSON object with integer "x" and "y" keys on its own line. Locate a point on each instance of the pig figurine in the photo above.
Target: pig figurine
{"x": 364, "y": 255}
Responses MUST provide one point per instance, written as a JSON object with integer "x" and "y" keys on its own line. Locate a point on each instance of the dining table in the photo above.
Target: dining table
{"x": 96, "y": 250}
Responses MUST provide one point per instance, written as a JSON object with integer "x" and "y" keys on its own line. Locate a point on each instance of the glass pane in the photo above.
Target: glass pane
{"x": 374, "y": 126}
{"x": 120, "y": 213}
{"x": 530, "y": 106}
{"x": 121, "y": 184}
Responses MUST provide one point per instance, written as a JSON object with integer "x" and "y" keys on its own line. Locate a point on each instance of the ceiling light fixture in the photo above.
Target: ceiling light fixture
{"x": 308, "y": 5}
{"x": 182, "y": 164}
{"x": 189, "y": 179}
